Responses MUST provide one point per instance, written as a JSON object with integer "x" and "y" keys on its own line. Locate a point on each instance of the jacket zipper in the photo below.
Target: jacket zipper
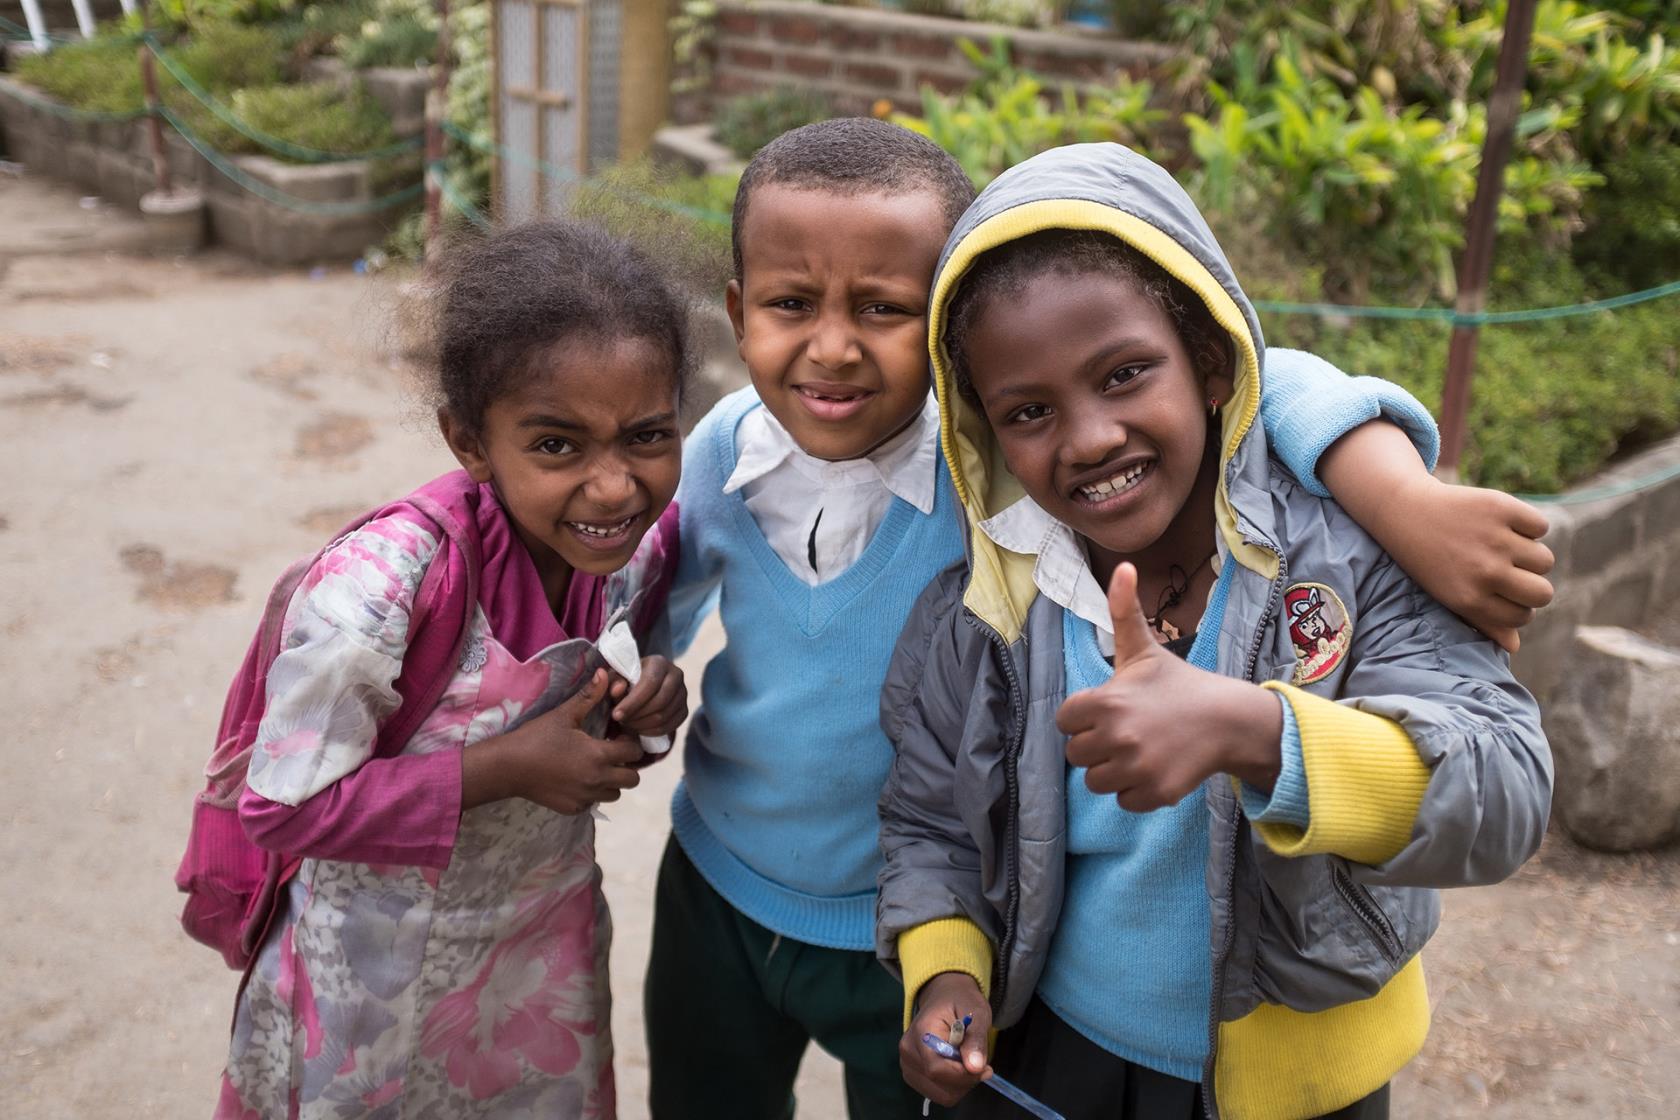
{"x": 1012, "y": 790}
{"x": 1362, "y": 904}
{"x": 1273, "y": 598}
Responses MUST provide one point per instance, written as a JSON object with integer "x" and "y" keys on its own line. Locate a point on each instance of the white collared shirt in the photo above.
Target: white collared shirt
{"x": 1062, "y": 571}
{"x": 1063, "y": 568}
{"x": 804, "y": 504}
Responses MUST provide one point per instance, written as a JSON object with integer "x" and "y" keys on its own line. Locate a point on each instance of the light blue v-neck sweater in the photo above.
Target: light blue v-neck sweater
{"x": 785, "y": 760}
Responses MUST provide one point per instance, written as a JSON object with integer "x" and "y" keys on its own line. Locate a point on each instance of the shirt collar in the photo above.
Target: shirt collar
{"x": 1062, "y": 570}
{"x": 907, "y": 464}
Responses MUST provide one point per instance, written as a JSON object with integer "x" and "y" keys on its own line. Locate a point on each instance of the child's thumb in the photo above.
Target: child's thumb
{"x": 974, "y": 1052}
{"x": 579, "y": 704}
{"x": 1132, "y": 636}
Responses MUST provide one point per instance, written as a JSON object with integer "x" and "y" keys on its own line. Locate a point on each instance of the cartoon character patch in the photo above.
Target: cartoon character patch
{"x": 1318, "y": 629}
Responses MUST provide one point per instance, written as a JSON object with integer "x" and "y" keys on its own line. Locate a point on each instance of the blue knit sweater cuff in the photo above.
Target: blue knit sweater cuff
{"x": 1287, "y": 803}
{"x": 1308, "y": 404}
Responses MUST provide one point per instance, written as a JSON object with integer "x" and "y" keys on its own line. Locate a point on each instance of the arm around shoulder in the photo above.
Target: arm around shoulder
{"x": 1432, "y": 770}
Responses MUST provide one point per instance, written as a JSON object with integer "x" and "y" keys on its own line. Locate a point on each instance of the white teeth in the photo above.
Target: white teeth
{"x": 600, "y": 531}
{"x": 1117, "y": 484}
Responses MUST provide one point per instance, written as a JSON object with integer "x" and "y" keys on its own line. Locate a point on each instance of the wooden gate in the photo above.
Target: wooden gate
{"x": 578, "y": 84}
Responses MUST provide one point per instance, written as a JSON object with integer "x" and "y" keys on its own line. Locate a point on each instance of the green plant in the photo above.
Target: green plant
{"x": 1005, "y": 116}
{"x": 1632, "y": 238}
{"x": 747, "y": 123}
{"x": 1552, "y": 402}
{"x": 397, "y": 33}
{"x": 1377, "y": 195}
{"x": 693, "y": 34}
{"x": 316, "y": 115}
{"x": 681, "y": 219}
{"x": 225, "y": 57}
{"x": 101, "y": 75}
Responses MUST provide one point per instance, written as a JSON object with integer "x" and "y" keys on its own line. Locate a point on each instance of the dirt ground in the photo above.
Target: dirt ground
{"x": 180, "y": 430}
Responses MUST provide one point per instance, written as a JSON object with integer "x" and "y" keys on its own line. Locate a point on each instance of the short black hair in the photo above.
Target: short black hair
{"x": 1007, "y": 269}
{"x": 500, "y": 301}
{"x": 851, "y": 156}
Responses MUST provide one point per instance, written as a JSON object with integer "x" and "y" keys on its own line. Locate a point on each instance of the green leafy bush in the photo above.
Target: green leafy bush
{"x": 101, "y": 75}
{"x": 316, "y": 28}
{"x": 1552, "y": 401}
{"x": 681, "y": 219}
{"x": 224, "y": 57}
{"x": 747, "y": 123}
{"x": 402, "y": 38}
{"x": 316, "y": 115}
{"x": 1632, "y": 237}
{"x": 1377, "y": 194}
{"x": 1006, "y": 117}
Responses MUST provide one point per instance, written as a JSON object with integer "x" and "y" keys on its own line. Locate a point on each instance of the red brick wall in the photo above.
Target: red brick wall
{"x": 859, "y": 56}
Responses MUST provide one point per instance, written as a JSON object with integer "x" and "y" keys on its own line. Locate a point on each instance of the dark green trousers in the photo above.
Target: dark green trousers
{"x": 730, "y": 1008}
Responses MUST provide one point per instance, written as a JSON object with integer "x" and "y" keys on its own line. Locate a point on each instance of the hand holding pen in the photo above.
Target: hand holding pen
{"x": 950, "y": 1006}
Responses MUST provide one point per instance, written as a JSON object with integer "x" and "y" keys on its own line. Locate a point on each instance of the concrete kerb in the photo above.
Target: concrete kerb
{"x": 1617, "y": 562}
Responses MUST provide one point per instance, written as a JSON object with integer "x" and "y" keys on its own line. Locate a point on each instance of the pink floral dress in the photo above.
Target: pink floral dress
{"x": 472, "y": 981}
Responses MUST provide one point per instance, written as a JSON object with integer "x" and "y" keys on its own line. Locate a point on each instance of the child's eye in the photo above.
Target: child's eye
{"x": 651, "y": 436}
{"x": 788, "y": 304}
{"x": 884, "y": 309}
{"x": 1125, "y": 374}
{"x": 554, "y": 445}
{"x": 1028, "y": 413}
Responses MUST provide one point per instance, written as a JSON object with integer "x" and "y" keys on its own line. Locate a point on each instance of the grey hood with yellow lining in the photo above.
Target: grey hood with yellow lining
{"x": 1109, "y": 188}
{"x": 1424, "y": 759}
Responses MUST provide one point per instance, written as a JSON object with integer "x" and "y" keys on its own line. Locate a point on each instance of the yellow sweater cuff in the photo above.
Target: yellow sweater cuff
{"x": 943, "y": 945}
{"x": 1365, "y": 782}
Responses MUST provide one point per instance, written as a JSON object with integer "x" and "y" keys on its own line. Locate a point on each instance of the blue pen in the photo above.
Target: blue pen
{"x": 1009, "y": 1091}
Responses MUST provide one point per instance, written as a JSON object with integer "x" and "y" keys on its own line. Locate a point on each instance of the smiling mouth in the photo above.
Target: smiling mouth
{"x": 604, "y": 535}
{"x": 830, "y": 401}
{"x": 1119, "y": 483}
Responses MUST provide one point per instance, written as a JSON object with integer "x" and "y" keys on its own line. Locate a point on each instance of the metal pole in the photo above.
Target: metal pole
{"x": 84, "y": 17}
{"x": 1477, "y": 263}
{"x": 437, "y": 106}
{"x": 154, "y": 121}
{"x": 37, "y": 25}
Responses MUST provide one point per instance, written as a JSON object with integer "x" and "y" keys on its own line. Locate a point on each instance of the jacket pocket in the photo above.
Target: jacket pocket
{"x": 1358, "y": 899}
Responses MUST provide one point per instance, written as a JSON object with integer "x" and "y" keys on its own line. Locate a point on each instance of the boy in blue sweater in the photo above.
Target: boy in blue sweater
{"x": 815, "y": 508}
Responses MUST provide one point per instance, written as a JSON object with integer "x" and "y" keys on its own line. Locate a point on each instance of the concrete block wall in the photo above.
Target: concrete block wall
{"x": 860, "y": 56}
{"x": 1618, "y": 563}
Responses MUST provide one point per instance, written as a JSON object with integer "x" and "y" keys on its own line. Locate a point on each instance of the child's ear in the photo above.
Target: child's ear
{"x": 732, "y": 304}
{"x": 465, "y": 446}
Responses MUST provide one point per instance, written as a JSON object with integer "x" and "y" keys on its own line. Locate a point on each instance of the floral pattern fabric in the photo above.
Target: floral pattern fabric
{"x": 391, "y": 991}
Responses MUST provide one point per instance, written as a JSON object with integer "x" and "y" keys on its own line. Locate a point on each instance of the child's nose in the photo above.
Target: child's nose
{"x": 610, "y": 484}
{"x": 834, "y": 343}
{"x": 1093, "y": 437}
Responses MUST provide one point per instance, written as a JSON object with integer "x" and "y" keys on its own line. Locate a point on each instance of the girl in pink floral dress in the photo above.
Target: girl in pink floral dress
{"x": 442, "y": 950}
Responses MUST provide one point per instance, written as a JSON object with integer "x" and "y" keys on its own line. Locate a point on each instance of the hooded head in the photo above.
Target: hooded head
{"x": 1169, "y": 292}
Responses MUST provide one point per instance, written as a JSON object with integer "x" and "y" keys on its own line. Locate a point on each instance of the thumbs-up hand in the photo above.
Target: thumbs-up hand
{"x": 1159, "y": 727}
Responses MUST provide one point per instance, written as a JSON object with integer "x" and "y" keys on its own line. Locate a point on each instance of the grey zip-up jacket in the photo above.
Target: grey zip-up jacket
{"x": 1425, "y": 763}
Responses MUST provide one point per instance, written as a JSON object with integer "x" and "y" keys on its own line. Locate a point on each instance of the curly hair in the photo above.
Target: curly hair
{"x": 503, "y": 300}
{"x": 1009, "y": 268}
{"x": 852, "y": 156}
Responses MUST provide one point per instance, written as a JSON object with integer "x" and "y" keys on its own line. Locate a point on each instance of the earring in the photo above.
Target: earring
{"x": 1213, "y": 405}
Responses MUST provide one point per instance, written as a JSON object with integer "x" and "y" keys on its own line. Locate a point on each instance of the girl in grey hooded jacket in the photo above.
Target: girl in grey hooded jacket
{"x": 1336, "y": 745}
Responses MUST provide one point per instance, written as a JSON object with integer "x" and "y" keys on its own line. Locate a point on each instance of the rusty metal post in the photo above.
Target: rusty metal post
{"x": 437, "y": 107}
{"x": 1477, "y": 263}
{"x": 154, "y": 122}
